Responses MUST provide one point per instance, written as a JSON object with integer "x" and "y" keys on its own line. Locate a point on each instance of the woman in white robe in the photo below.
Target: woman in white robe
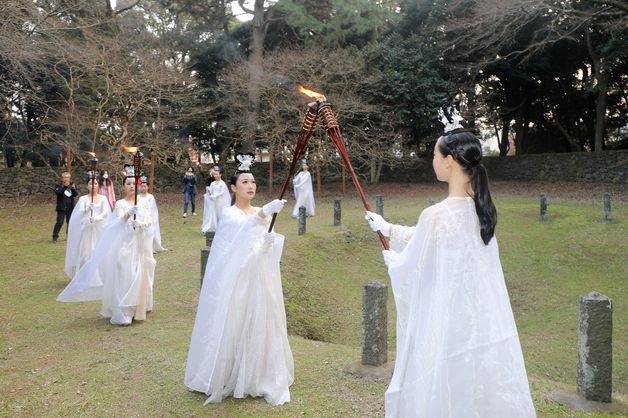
{"x": 122, "y": 267}
{"x": 239, "y": 345}
{"x": 303, "y": 192}
{"x": 154, "y": 228}
{"x": 216, "y": 198}
{"x": 458, "y": 351}
{"x": 85, "y": 227}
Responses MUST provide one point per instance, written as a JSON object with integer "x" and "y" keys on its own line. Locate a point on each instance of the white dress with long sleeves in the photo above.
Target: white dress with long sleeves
{"x": 458, "y": 351}
{"x": 303, "y": 194}
{"x": 216, "y": 198}
{"x": 239, "y": 344}
{"x": 121, "y": 269}
{"x": 83, "y": 234}
{"x": 154, "y": 229}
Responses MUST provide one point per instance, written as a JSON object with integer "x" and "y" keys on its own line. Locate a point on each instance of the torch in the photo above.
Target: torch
{"x": 309, "y": 122}
{"x": 329, "y": 121}
{"x": 94, "y": 164}
{"x": 137, "y": 172}
{"x": 137, "y": 168}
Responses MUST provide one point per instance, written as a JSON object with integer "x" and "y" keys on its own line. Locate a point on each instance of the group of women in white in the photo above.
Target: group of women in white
{"x": 458, "y": 351}
{"x": 109, "y": 255}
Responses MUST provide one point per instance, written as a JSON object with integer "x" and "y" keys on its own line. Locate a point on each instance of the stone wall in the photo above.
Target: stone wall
{"x": 604, "y": 167}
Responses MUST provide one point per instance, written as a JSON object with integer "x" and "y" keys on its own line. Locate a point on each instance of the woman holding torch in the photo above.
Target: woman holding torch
{"x": 85, "y": 226}
{"x": 239, "y": 345}
{"x": 458, "y": 351}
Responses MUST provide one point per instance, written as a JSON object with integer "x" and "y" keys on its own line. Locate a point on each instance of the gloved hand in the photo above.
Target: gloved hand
{"x": 92, "y": 219}
{"x": 135, "y": 224}
{"x": 207, "y": 189}
{"x": 273, "y": 207}
{"x": 132, "y": 211}
{"x": 378, "y": 223}
{"x": 269, "y": 240}
{"x": 89, "y": 207}
{"x": 390, "y": 256}
{"x": 212, "y": 197}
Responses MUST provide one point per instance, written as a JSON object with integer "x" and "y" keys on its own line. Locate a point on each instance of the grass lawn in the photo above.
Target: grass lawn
{"x": 61, "y": 359}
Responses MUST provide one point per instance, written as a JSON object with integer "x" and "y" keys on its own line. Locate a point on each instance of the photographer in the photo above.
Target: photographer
{"x": 66, "y": 192}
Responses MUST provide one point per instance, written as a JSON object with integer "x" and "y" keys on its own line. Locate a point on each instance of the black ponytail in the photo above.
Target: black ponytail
{"x": 466, "y": 149}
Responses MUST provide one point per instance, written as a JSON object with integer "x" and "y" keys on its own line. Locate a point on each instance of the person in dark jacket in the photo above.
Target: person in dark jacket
{"x": 66, "y": 192}
{"x": 189, "y": 192}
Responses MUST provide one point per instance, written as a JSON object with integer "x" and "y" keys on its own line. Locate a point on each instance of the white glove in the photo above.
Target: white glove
{"x": 378, "y": 223}
{"x": 135, "y": 224}
{"x": 92, "y": 219}
{"x": 212, "y": 197}
{"x": 273, "y": 207}
{"x": 132, "y": 211}
{"x": 89, "y": 207}
{"x": 269, "y": 240}
{"x": 207, "y": 189}
{"x": 389, "y": 256}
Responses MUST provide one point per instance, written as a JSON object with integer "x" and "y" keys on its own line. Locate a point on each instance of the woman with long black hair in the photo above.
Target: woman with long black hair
{"x": 458, "y": 351}
{"x": 239, "y": 345}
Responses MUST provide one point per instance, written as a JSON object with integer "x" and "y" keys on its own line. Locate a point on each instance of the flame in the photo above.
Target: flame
{"x": 129, "y": 149}
{"x": 310, "y": 93}
{"x": 91, "y": 154}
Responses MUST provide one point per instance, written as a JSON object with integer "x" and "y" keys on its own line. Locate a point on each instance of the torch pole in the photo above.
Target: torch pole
{"x": 137, "y": 172}
{"x": 304, "y": 136}
{"x": 332, "y": 128}
{"x": 94, "y": 162}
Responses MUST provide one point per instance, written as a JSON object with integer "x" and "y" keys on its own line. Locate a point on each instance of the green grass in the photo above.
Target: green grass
{"x": 63, "y": 359}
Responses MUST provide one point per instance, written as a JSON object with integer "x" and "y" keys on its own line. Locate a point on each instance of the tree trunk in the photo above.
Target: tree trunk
{"x": 255, "y": 76}
{"x": 521, "y": 119}
{"x": 601, "y": 89}
{"x": 600, "y": 111}
{"x": 504, "y": 143}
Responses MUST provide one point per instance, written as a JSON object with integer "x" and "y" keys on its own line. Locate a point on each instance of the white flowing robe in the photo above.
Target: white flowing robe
{"x": 121, "y": 269}
{"x": 303, "y": 194}
{"x": 83, "y": 235}
{"x": 239, "y": 344}
{"x": 154, "y": 228}
{"x": 458, "y": 351}
{"x": 216, "y": 198}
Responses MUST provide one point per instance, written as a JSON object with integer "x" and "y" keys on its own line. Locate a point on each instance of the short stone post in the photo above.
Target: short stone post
{"x": 302, "y": 220}
{"x": 379, "y": 204}
{"x": 595, "y": 347}
{"x": 337, "y": 212}
{"x": 209, "y": 238}
{"x": 607, "y": 206}
{"x": 543, "y": 198}
{"x": 374, "y": 324}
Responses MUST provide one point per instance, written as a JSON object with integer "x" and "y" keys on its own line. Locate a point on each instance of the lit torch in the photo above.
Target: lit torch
{"x": 94, "y": 164}
{"x": 329, "y": 121}
{"x": 307, "y": 128}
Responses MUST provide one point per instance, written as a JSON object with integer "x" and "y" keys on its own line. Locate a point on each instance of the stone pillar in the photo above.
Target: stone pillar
{"x": 209, "y": 238}
{"x": 302, "y": 220}
{"x": 595, "y": 347}
{"x": 379, "y": 204}
{"x": 374, "y": 324}
{"x": 607, "y": 206}
{"x": 337, "y": 212}
{"x": 543, "y": 198}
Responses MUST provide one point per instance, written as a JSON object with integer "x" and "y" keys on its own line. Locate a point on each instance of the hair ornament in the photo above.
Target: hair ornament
{"x": 450, "y": 117}
{"x": 245, "y": 161}
{"x": 129, "y": 170}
